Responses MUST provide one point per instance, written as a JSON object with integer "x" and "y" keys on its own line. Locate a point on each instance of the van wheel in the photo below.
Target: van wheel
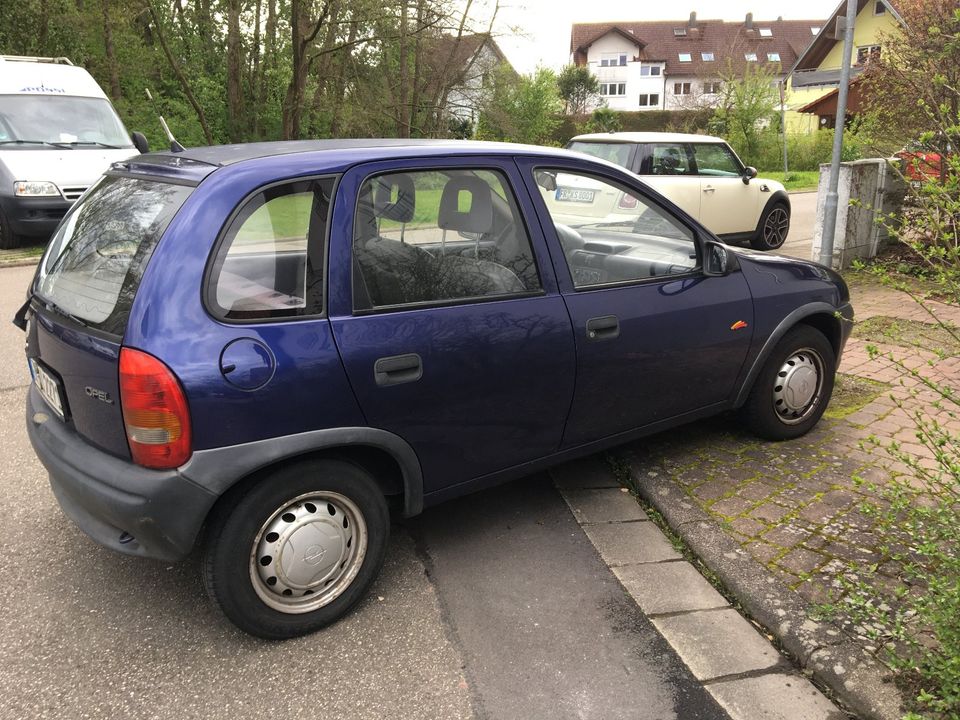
{"x": 794, "y": 386}
{"x": 298, "y": 549}
{"x": 8, "y": 240}
{"x": 773, "y": 228}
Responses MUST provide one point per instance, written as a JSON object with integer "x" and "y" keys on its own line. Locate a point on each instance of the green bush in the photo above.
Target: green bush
{"x": 804, "y": 152}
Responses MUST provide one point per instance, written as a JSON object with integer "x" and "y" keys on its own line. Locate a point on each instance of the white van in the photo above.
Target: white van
{"x": 58, "y": 134}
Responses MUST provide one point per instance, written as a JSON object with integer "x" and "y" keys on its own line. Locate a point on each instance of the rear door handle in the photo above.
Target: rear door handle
{"x": 398, "y": 369}
{"x": 603, "y": 328}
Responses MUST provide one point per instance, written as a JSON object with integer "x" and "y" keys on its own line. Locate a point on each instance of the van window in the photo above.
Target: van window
{"x": 28, "y": 120}
{"x": 96, "y": 259}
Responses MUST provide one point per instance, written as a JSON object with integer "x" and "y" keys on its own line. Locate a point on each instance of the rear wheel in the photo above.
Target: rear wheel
{"x": 8, "y": 239}
{"x": 794, "y": 386}
{"x": 774, "y": 227}
{"x": 298, "y": 550}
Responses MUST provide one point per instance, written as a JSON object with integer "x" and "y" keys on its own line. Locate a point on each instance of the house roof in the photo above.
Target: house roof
{"x": 728, "y": 41}
{"x": 821, "y": 46}
{"x": 827, "y": 104}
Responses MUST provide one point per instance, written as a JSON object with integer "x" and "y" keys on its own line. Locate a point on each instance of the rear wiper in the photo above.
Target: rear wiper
{"x": 64, "y": 146}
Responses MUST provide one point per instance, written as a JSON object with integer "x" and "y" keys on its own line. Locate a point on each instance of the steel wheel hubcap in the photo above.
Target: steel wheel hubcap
{"x": 798, "y": 386}
{"x": 308, "y": 552}
{"x": 776, "y": 227}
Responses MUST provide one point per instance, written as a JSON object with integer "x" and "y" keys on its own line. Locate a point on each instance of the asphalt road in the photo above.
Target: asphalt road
{"x": 495, "y": 606}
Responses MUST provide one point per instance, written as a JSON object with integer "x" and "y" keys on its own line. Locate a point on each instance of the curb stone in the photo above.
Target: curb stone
{"x": 737, "y": 665}
{"x": 857, "y": 679}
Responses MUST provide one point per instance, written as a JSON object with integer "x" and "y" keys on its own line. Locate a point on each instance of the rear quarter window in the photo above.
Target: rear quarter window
{"x": 97, "y": 257}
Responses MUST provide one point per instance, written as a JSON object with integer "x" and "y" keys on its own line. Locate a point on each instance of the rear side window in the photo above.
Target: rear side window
{"x": 270, "y": 263}
{"x": 97, "y": 257}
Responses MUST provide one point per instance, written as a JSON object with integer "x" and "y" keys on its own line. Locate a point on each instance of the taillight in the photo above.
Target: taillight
{"x": 155, "y": 412}
{"x": 627, "y": 201}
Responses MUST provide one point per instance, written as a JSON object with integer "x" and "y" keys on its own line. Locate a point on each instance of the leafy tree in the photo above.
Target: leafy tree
{"x": 747, "y": 103}
{"x": 579, "y": 89}
{"x": 522, "y": 108}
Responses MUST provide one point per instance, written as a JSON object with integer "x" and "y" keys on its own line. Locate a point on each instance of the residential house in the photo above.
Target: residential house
{"x": 681, "y": 64}
{"x": 461, "y": 72}
{"x": 815, "y": 77}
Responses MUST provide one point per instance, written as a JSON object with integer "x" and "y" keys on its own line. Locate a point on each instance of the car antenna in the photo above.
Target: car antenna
{"x": 174, "y": 145}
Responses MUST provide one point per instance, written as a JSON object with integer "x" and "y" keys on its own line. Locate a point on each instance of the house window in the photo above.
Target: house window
{"x": 879, "y": 7}
{"x": 867, "y": 53}
{"x": 613, "y": 89}
{"x": 712, "y": 88}
{"x": 750, "y": 57}
{"x": 814, "y": 30}
{"x": 684, "y": 57}
{"x": 648, "y": 70}
{"x": 707, "y": 56}
{"x": 613, "y": 59}
{"x": 651, "y": 100}
{"x": 681, "y": 88}
{"x": 773, "y": 57}
{"x": 766, "y": 32}
{"x": 679, "y": 32}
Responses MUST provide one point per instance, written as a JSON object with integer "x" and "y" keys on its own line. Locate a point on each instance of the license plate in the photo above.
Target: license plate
{"x": 48, "y": 386}
{"x": 575, "y": 195}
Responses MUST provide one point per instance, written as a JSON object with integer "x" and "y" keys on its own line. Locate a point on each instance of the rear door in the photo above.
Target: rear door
{"x": 447, "y": 318}
{"x": 83, "y": 292}
{"x": 656, "y": 339}
{"x": 727, "y": 204}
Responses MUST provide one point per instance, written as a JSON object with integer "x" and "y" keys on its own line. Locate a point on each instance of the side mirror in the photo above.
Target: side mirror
{"x": 546, "y": 180}
{"x": 140, "y": 142}
{"x": 717, "y": 259}
{"x": 749, "y": 173}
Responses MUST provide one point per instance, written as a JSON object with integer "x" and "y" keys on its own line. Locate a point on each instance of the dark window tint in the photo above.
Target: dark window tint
{"x": 270, "y": 264}
{"x": 427, "y": 237}
{"x": 96, "y": 259}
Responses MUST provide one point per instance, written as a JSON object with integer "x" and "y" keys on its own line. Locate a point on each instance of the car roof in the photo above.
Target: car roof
{"x": 194, "y": 164}
{"x": 645, "y": 137}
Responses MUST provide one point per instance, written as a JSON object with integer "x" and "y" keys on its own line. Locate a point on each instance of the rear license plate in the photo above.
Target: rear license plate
{"x": 575, "y": 195}
{"x": 48, "y": 386}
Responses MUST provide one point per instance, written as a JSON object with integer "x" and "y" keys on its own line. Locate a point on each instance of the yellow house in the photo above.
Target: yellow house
{"x": 815, "y": 77}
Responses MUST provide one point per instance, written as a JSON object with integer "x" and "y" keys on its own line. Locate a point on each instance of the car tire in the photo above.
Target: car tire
{"x": 773, "y": 228}
{"x": 8, "y": 239}
{"x": 794, "y": 386}
{"x": 275, "y": 588}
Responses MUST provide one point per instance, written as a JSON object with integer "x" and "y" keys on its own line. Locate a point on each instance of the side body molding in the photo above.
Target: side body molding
{"x": 219, "y": 468}
{"x": 817, "y": 308}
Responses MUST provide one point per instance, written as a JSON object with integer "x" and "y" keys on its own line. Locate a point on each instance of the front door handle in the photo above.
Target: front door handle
{"x": 709, "y": 188}
{"x": 603, "y": 328}
{"x": 398, "y": 369}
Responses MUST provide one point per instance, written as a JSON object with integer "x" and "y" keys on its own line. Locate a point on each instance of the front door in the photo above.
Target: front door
{"x": 454, "y": 337}
{"x": 727, "y": 205}
{"x": 656, "y": 338}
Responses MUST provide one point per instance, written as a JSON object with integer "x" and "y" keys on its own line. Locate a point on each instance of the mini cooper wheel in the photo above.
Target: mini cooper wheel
{"x": 298, "y": 550}
{"x": 794, "y": 386}
{"x": 773, "y": 229}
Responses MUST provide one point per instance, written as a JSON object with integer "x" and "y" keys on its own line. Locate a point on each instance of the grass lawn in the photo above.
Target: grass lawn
{"x": 797, "y": 180}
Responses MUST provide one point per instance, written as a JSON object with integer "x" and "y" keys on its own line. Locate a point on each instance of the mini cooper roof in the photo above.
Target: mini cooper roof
{"x": 194, "y": 164}
{"x": 645, "y": 137}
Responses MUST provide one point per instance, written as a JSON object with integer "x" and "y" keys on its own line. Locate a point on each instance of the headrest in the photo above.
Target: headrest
{"x": 384, "y": 206}
{"x": 479, "y": 218}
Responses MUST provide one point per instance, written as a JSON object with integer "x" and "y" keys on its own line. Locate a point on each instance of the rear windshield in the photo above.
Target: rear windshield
{"x": 618, "y": 153}
{"x": 93, "y": 266}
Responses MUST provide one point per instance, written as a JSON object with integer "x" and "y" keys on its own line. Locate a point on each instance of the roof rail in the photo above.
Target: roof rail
{"x": 54, "y": 60}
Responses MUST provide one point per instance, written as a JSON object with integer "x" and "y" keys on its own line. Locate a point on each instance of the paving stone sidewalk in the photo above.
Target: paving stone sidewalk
{"x": 794, "y": 506}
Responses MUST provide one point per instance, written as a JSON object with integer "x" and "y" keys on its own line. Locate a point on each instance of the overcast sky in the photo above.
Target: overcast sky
{"x": 532, "y": 32}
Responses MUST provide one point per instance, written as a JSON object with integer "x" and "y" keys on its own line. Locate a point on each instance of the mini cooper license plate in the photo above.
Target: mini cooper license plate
{"x": 575, "y": 195}
{"x": 48, "y": 386}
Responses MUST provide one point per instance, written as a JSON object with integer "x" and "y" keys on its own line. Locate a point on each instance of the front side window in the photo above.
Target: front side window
{"x": 610, "y": 233}
{"x": 715, "y": 160}
{"x": 437, "y": 237}
{"x": 270, "y": 263}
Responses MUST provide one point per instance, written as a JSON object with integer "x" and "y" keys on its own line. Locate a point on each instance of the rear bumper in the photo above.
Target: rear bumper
{"x": 111, "y": 499}
{"x": 34, "y": 217}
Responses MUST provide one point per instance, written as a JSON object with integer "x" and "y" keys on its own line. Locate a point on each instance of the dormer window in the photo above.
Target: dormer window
{"x": 773, "y": 57}
{"x": 814, "y": 30}
{"x": 685, "y": 57}
{"x": 707, "y": 56}
{"x": 613, "y": 59}
{"x": 679, "y": 32}
{"x": 750, "y": 57}
{"x": 766, "y": 32}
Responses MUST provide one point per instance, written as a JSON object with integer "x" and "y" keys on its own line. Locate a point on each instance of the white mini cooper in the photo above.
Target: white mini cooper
{"x": 702, "y": 175}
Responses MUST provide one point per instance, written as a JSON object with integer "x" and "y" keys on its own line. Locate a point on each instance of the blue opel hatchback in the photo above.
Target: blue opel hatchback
{"x": 267, "y": 349}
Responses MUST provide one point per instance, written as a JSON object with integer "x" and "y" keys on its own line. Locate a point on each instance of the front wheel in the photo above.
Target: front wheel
{"x": 298, "y": 550}
{"x": 794, "y": 386}
{"x": 773, "y": 229}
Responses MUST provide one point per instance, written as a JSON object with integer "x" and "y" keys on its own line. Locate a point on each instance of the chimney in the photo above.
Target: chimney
{"x": 749, "y": 21}
{"x": 693, "y": 19}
